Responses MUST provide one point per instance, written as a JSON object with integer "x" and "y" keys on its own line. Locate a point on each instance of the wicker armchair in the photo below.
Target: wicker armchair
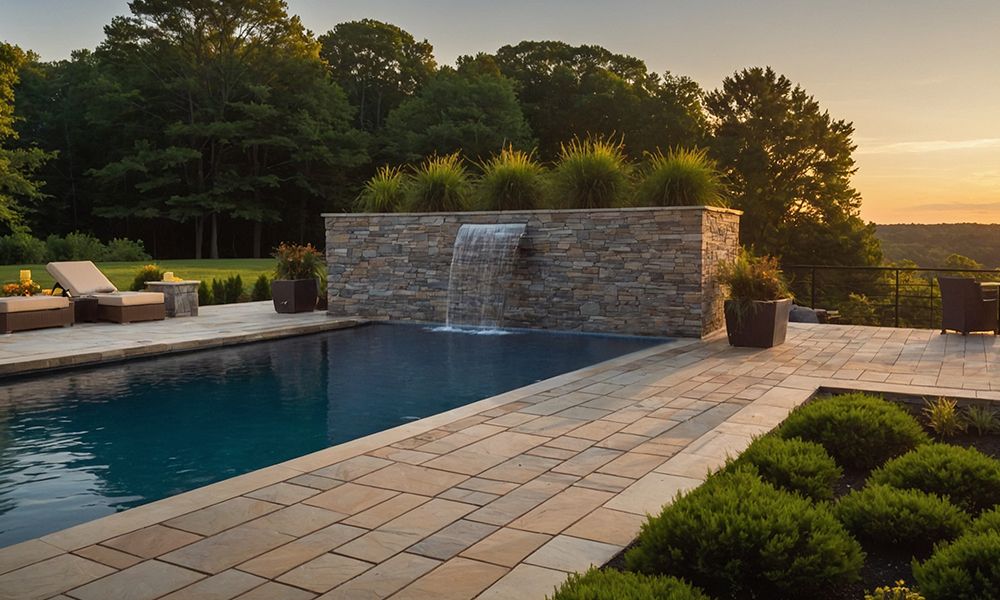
{"x": 965, "y": 308}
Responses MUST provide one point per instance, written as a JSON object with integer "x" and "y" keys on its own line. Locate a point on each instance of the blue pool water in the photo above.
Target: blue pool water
{"x": 82, "y": 444}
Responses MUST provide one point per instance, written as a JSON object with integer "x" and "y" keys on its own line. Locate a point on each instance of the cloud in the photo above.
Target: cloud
{"x": 930, "y": 146}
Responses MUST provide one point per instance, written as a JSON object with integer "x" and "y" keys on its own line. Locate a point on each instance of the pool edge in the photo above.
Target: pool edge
{"x": 104, "y": 528}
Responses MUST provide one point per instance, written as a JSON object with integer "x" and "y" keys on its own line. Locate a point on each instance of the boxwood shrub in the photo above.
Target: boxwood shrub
{"x": 911, "y": 520}
{"x": 737, "y": 536}
{"x": 988, "y": 521}
{"x": 606, "y": 584}
{"x": 858, "y": 430}
{"x": 966, "y": 476}
{"x": 793, "y": 465}
{"x": 966, "y": 569}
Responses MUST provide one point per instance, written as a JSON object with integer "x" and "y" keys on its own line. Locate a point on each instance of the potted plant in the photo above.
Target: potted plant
{"x": 294, "y": 288}
{"x": 759, "y": 301}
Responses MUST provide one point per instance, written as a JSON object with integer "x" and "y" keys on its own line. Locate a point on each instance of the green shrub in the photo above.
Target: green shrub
{"x": 982, "y": 419}
{"x": 899, "y": 591}
{"x": 218, "y": 291}
{"x": 297, "y": 261}
{"x": 748, "y": 277}
{"x": 793, "y": 465}
{"x": 966, "y": 569}
{"x": 590, "y": 173}
{"x": 911, "y": 520}
{"x": 858, "y": 430}
{"x": 988, "y": 521}
{"x": 943, "y": 418}
{"x": 125, "y": 250}
{"x": 440, "y": 184}
{"x": 512, "y": 180}
{"x": 610, "y": 584}
{"x": 968, "y": 477}
{"x": 204, "y": 294}
{"x": 858, "y": 309}
{"x": 76, "y": 246}
{"x": 737, "y": 536}
{"x": 385, "y": 192}
{"x": 146, "y": 273}
{"x": 261, "y": 289}
{"x": 56, "y": 248}
{"x": 234, "y": 289}
{"x": 21, "y": 248}
{"x": 682, "y": 177}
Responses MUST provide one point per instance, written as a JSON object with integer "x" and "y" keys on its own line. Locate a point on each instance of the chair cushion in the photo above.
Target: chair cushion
{"x": 15, "y": 304}
{"x": 80, "y": 278}
{"x": 129, "y": 298}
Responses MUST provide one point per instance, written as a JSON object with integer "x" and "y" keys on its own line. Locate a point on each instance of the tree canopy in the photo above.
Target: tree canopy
{"x": 237, "y": 109}
{"x": 226, "y": 123}
{"x": 378, "y": 64}
{"x": 789, "y": 164}
{"x": 571, "y": 91}
{"x": 17, "y": 165}
{"x": 465, "y": 111}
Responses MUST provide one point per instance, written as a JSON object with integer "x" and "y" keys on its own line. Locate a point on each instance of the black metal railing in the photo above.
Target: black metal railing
{"x": 887, "y": 296}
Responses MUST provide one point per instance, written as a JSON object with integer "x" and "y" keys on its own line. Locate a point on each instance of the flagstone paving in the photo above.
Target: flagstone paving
{"x": 92, "y": 343}
{"x": 499, "y": 499}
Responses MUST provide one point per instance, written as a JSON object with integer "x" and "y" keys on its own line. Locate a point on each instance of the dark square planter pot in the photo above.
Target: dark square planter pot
{"x": 294, "y": 295}
{"x": 761, "y": 325}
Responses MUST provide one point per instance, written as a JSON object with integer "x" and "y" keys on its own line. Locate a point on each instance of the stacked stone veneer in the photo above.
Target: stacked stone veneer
{"x": 649, "y": 271}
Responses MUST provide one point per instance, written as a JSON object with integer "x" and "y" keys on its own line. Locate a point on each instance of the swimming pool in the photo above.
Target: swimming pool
{"x": 82, "y": 444}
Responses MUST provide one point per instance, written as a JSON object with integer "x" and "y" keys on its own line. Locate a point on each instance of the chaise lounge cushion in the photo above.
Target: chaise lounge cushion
{"x": 80, "y": 278}
{"x": 15, "y": 304}
{"x": 129, "y": 298}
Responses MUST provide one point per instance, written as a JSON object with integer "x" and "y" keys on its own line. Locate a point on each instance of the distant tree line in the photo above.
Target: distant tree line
{"x": 220, "y": 127}
{"x": 930, "y": 245}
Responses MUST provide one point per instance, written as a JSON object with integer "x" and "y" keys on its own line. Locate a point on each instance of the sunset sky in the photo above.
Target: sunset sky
{"x": 920, "y": 79}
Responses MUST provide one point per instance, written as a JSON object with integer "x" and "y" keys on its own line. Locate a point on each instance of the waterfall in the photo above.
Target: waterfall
{"x": 481, "y": 264}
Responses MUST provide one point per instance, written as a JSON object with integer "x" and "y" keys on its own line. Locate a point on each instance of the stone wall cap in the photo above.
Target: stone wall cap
{"x": 718, "y": 209}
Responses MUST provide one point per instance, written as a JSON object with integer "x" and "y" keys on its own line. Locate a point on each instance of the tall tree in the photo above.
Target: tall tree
{"x": 790, "y": 165}
{"x": 465, "y": 111}
{"x": 228, "y": 91}
{"x": 17, "y": 165}
{"x": 569, "y": 91}
{"x": 378, "y": 64}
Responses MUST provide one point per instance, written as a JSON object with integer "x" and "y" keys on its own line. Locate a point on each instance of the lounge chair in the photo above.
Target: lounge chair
{"x": 20, "y": 313}
{"x": 965, "y": 308}
{"x": 82, "y": 278}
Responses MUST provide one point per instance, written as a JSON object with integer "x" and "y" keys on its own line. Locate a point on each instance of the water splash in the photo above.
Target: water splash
{"x": 481, "y": 264}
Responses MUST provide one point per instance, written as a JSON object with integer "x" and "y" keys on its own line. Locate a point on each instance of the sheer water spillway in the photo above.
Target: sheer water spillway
{"x": 481, "y": 264}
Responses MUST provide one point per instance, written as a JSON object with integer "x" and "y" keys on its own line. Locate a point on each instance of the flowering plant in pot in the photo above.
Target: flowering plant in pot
{"x": 295, "y": 284}
{"x": 758, "y": 301}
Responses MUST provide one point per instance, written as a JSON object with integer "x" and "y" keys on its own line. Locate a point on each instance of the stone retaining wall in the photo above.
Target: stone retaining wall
{"x": 649, "y": 271}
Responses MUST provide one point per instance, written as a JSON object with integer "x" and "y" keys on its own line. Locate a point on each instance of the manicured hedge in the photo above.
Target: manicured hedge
{"x": 988, "y": 521}
{"x": 858, "y": 430}
{"x": 968, "y": 477}
{"x": 737, "y": 536}
{"x": 617, "y": 585}
{"x": 909, "y": 520}
{"x": 793, "y": 465}
{"x": 966, "y": 569}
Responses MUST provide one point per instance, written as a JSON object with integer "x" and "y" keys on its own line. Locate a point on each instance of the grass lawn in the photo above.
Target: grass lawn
{"x": 122, "y": 273}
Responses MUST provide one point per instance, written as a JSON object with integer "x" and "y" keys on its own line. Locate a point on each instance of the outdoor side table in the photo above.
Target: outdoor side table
{"x": 84, "y": 309}
{"x": 180, "y": 297}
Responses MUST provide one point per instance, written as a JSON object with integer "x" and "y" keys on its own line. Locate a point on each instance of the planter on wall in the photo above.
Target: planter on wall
{"x": 757, "y": 325}
{"x": 294, "y": 295}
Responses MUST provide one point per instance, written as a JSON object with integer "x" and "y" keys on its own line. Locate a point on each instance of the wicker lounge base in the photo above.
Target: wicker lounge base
{"x": 35, "y": 319}
{"x": 132, "y": 314}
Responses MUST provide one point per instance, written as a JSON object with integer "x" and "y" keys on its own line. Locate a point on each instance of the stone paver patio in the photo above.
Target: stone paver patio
{"x": 89, "y": 343}
{"x": 498, "y": 499}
